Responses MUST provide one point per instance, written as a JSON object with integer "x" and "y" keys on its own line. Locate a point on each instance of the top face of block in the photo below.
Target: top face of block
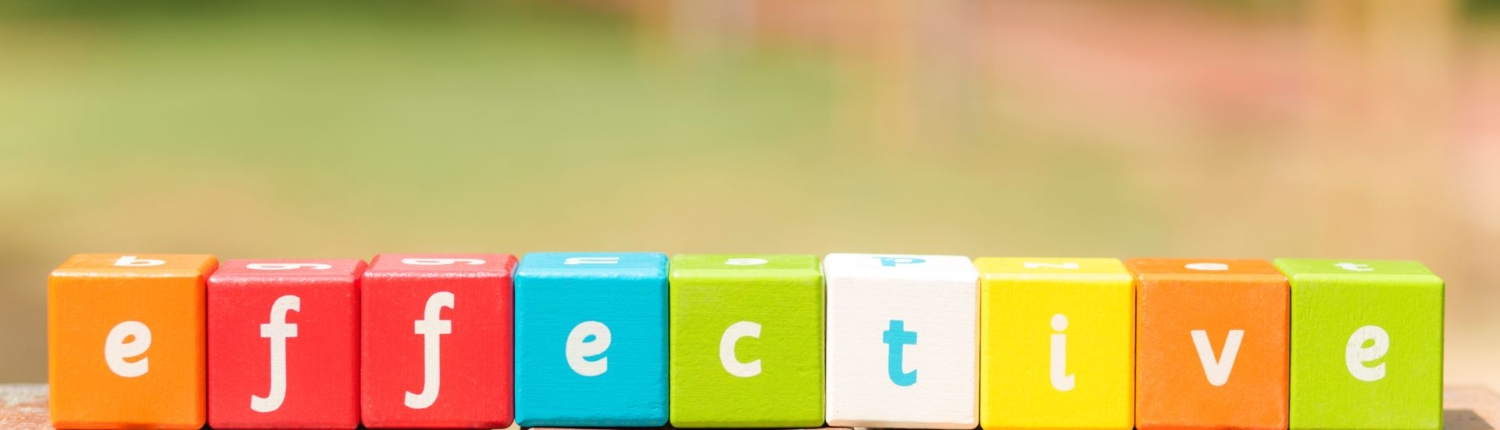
{"x": 131, "y": 265}
{"x": 1108, "y": 269}
{"x": 343, "y": 270}
{"x": 897, "y": 266}
{"x": 498, "y": 265}
{"x": 1310, "y": 268}
{"x": 617, "y": 265}
{"x": 1216, "y": 269}
{"x": 745, "y": 266}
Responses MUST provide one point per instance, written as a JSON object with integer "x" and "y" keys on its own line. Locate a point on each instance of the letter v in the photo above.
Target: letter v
{"x": 1217, "y": 369}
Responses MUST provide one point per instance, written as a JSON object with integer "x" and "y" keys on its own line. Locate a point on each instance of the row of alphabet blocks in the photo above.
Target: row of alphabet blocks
{"x": 633, "y": 339}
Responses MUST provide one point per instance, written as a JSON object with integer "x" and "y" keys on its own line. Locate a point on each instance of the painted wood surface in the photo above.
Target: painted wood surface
{"x": 591, "y": 339}
{"x": 125, "y": 340}
{"x": 436, "y": 341}
{"x": 746, "y": 341}
{"x": 902, "y": 341}
{"x": 1058, "y": 343}
{"x": 283, "y": 344}
{"x": 1211, "y": 344}
{"x": 1367, "y": 342}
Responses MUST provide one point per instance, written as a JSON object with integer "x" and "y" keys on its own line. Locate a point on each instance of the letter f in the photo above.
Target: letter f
{"x": 430, "y": 327}
{"x": 277, "y": 331}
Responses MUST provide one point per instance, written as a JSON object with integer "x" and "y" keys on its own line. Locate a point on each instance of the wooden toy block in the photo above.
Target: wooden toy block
{"x": 1367, "y": 344}
{"x": 435, "y": 341}
{"x": 283, "y": 344}
{"x": 1057, "y": 344}
{"x": 591, "y": 339}
{"x": 125, "y": 341}
{"x": 746, "y": 341}
{"x": 1211, "y": 344}
{"x": 902, "y": 341}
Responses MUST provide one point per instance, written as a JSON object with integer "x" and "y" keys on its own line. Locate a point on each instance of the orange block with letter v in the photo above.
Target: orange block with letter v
{"x": 125, "y": 341}
{"x": 1212, "y": 340}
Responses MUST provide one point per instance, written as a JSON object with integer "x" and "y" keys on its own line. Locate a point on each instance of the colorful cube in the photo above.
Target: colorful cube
{"x": 902, "y": 342}
{"x": 591, "y": 339}
{"x": 1058, "y": 344}
{"x": 283, "y": 344}
{"x": 125, "y": 341}
{"x": 435, "y": 341}
{"x": 1211, "y": 344}
{"x": 746, "y": 341}
{"x": 1367, "y": 345}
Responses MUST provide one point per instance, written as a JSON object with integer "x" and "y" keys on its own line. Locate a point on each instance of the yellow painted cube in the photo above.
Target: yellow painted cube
{"x": 1057, "y": 344}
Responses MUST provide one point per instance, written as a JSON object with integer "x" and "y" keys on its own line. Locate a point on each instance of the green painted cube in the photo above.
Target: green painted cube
{"x": 747, "y": 341}
{"x": 1367, "y": 345}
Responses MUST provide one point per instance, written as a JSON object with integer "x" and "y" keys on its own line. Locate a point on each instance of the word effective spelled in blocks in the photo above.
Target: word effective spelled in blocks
{"x": 746, "y": 341}
{"x": 1058, "y": 343}
{"x": 1367, "y": 345}
{"x": 902, "y": 342}
{"x": 435, "y": 340}
{"x": 591, "y": 339}
{"x": 125, "y": 341}
{"x": 633, "y": 340}
{"x": 1211, "y": 344}
{"x": 283, "y": 344}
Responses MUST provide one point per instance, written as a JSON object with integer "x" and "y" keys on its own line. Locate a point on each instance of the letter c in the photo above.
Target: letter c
{"x": 732, "y": 336}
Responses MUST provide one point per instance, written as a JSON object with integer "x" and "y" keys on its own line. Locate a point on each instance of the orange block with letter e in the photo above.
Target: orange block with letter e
{"x": 125, "y": 341}
{"x": 1212, "y": 340}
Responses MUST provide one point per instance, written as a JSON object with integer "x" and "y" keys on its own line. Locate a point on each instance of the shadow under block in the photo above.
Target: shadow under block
{"x": 591, "y": 339}
{"x": 435, "y": 341}
{"x": 283, "y": 344}
{"x": 1367, "y": 344}
{"x": 1058, "y": 344}
{"x": 746, "y": 341}
{"x": 902, "y": 341}
{"x": 125, "y": 341}
{"x": 1211, "y": 344}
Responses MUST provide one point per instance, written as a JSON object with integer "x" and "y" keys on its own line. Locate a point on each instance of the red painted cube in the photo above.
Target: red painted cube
{"x": 436, "y": 334}
{"x": 283, "y": 344}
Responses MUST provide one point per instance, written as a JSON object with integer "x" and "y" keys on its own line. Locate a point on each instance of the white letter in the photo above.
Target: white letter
{"x": 441, "y": 261}
{"x": 1070, "y": 265}
{"x": 288, "y": 266}
{"x": 746, "y": 261}
{"x": 131, "y": 261}
{"x": 1217, "y": 370}
{"x": 573, "y": 261}
{"x": 277, "y": 331}
{"x": 1060, "y": 379}
{"x": 1357, "y": 354}
{"x": 116, "y": 349}
{"x": 1355, "y": 267}
{"x": 1212, "y": 267}
{"x": 580, "y": 348}
{"x": 732, "y": 336}
{"x": 430, "y": 326}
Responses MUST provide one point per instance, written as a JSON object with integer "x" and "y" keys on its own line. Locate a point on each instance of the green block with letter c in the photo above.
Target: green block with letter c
{"x": 746, "y": 341}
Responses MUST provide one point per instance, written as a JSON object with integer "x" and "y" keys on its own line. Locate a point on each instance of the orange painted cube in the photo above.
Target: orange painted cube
{"x": 1212, "y": 340}
{"x": 125, "y": 341}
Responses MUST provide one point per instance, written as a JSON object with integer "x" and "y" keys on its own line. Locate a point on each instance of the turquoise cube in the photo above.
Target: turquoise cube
{"x": 1367, "y": 345}
{"x": 591, "y": 340}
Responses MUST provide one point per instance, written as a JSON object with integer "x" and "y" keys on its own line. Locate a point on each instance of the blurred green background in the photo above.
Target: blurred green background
{"x": 1340, "y": 129}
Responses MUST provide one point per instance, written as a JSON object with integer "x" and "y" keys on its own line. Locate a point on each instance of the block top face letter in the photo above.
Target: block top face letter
{"x": 137, "y": 265}
{"x": 936, "y": 269}
{"x": 616, "y": 265}
{"x": 1025, "y": 269}
{"x": 1219, "y": 270}
{"x": 1304, "y": 268}
{"x": 479, "y": 265}
{"x": 745, "y": 266}
{"x": 233, "y": 272}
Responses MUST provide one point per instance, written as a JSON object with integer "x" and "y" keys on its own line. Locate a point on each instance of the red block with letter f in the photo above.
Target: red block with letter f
{"x": 436, "y": 334}
{"x": 283, "y": 344}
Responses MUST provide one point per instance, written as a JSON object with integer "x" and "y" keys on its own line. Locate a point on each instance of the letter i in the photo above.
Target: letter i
{"x": 1060, "y": 379}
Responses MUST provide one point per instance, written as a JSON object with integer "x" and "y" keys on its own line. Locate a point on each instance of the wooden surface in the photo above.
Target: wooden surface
{"x": 24, "y": 407}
